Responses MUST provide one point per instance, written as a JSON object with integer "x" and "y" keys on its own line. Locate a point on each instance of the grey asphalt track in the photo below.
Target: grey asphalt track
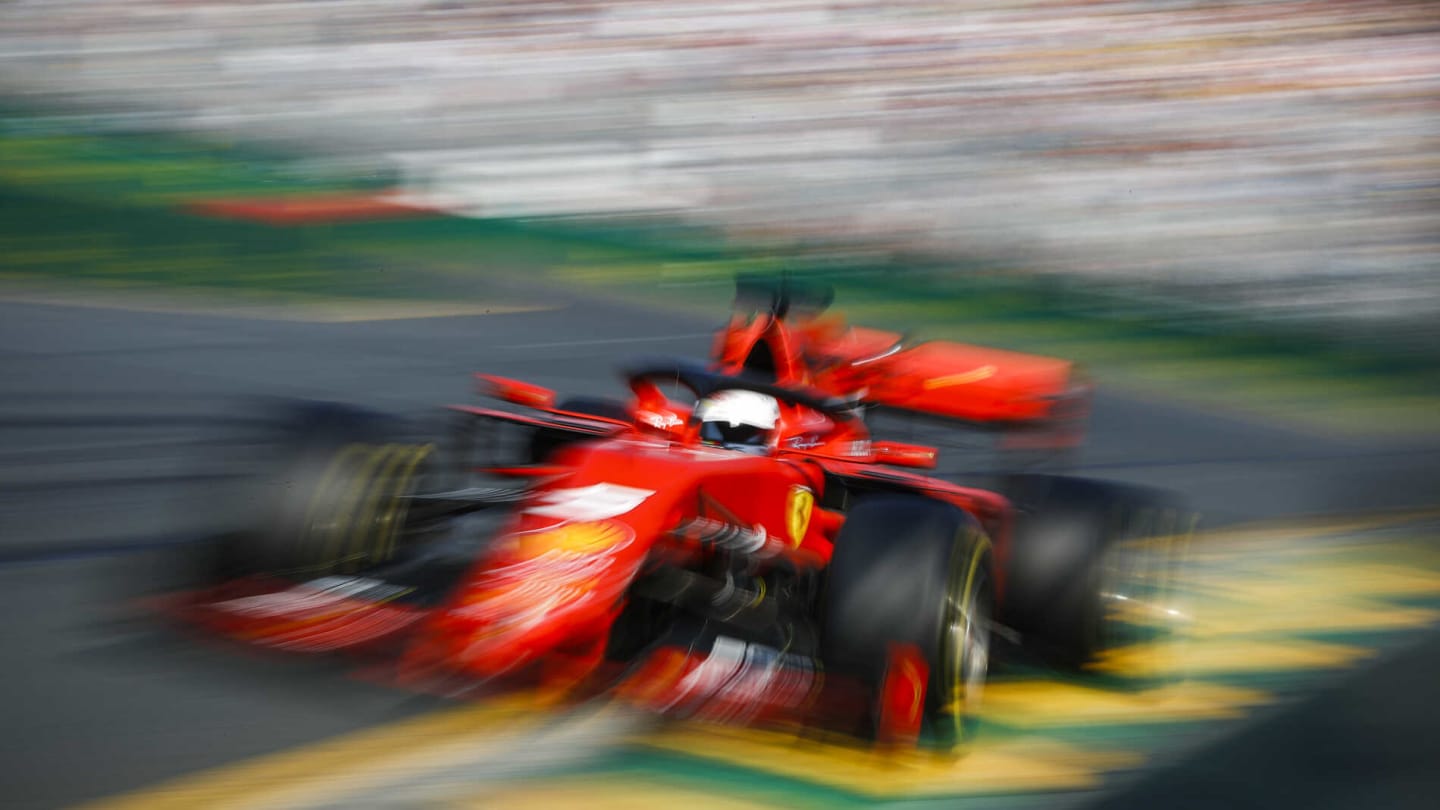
{"x": 101, "y": 412}
{"x": 1367, "y": 741}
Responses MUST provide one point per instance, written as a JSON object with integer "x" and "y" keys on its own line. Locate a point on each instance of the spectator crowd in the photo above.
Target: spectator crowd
{"x": 1281, "y": 152}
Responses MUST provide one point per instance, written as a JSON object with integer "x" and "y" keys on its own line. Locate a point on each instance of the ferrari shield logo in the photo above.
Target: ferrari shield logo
{"x": 797, "y": 513}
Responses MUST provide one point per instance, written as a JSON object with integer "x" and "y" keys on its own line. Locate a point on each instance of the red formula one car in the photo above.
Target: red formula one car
{"x": 780, "y": 332}
{"x": 709, "y": 549}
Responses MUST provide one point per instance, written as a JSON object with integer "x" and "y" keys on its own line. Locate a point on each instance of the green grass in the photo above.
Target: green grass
{"x": 134, "y": 170}
{"x": 44, "y": 238}
{"x": 102, "y": 210}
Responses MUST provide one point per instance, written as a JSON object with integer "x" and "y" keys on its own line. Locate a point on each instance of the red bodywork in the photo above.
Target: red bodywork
{"x": 972, "y": 384}
{"x": 604, "y": 510}
{"x": 640, "y": 495}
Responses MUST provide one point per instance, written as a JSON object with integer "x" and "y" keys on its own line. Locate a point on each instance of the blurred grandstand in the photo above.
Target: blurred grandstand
{"x": 1276, "y": 155}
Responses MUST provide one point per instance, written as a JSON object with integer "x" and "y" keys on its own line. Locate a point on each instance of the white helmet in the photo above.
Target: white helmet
{"x": 738, "y": 420}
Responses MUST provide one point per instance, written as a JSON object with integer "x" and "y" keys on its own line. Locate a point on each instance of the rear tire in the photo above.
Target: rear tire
{"x": 1092, "y": 565}
{"x": 909, "y": 570}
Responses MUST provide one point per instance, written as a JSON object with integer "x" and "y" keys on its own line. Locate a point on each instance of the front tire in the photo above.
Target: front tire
{"x": 912, "y": 573}
{"x": 332, "y": 498}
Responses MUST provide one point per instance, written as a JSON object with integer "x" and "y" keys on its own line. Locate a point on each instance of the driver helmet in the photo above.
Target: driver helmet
{"x": 738, "y": 420}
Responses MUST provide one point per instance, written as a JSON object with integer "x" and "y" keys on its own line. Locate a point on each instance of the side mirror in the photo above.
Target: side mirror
{"x": 520, "y": 393}
{"x": 905, "y": 455}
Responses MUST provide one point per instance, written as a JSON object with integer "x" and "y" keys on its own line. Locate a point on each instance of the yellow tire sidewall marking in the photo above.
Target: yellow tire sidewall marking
{"x": 954, "y": 680}
{"x": 328, "y": 480}
{"x": 360, "y": 543}
{"x": 349, "y": 502}
{"x": 394, "y": 518}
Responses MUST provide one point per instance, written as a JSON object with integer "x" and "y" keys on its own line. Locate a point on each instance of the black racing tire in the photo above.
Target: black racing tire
{"x": 544, "y": 442}
{"x": 1091, "y": 565}
{"x": 912, "y": 570}
{"x": 330, "y": 499}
